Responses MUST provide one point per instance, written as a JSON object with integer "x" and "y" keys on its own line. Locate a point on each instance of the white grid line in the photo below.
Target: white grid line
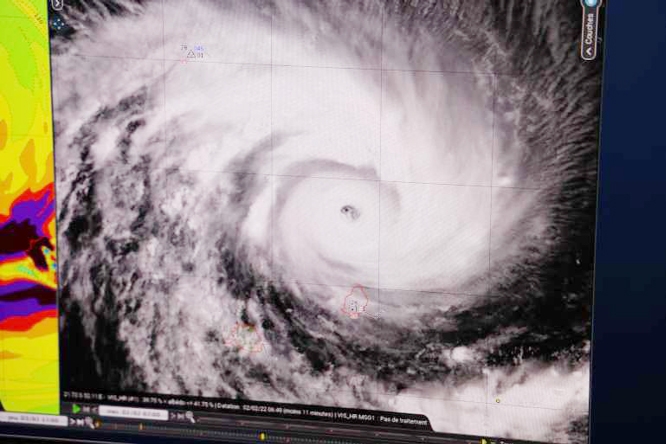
{"x": 272, "y": 178}
{"x": 490, "y": 225}
{"x": 289, "y": 65}
{"x": 170, "y": 269}
{"x": 351, "y": 179}
{"x": 380, "y": 308}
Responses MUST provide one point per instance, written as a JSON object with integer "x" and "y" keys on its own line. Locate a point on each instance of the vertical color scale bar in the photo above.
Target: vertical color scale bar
{"x": 28, "y": 316}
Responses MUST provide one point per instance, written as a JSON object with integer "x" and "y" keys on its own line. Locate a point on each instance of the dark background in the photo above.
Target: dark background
{"x": 629, "y": 348}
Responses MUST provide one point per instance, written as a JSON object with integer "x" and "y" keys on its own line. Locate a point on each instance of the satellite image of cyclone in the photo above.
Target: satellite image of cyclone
{"x": 384, "y": 205}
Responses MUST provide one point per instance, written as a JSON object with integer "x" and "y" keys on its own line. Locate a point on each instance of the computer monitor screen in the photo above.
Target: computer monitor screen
{"x": 351, "y": 219}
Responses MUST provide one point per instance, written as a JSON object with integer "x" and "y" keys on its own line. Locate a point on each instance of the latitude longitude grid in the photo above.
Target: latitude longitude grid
{"x": 164, "y": 61}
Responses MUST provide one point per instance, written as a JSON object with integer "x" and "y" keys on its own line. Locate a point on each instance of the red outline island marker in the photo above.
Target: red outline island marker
{"x": 355, "y": 302}
{"x": 245, "y": 337}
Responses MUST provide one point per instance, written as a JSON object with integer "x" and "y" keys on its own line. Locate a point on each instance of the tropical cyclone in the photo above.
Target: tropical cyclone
{"x": 215, "y": 212}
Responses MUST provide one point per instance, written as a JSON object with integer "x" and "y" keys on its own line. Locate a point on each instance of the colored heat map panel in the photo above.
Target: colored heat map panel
{"x": 28, "y": 316}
